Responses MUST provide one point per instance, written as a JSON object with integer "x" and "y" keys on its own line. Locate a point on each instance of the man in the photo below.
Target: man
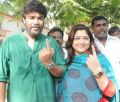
{"x": 58, "y": 34}
{"x": 30, "y": 61}
{"x": 114, "y": 31}
{"x": 108, "y": 45}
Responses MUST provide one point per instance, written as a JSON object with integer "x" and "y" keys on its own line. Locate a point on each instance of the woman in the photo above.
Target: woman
{"x": 89, "y": 77}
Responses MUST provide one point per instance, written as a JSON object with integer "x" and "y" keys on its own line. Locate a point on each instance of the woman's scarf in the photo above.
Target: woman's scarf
{"x": 80, "y": 84}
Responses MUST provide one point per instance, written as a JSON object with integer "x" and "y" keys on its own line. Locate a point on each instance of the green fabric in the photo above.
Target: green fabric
{"x": 28, "y": 79}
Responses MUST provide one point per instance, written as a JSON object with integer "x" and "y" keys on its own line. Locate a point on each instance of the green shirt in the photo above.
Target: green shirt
{"x": 28, "y": 79}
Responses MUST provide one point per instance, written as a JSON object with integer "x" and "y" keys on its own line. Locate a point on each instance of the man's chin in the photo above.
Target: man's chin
{"x": 102, "y": 37}
{"x": 35, "y": 33}
{"x": 102, "y": 34}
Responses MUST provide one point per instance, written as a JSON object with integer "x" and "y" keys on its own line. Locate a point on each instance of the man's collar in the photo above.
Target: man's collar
{"x": 108, "y": 37}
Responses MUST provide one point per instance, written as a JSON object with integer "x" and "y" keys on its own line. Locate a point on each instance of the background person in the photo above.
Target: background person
{"x": 58, "y": 35}
{"x": 114, "y": 31}
{"x": 108, "y": 45}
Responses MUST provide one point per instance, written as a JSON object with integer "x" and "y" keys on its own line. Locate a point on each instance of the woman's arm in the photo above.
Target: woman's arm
{"x": 101, "y": 77}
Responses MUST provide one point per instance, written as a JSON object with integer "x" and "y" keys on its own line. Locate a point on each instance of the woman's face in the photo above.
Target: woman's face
{"x": 81, "y": 42}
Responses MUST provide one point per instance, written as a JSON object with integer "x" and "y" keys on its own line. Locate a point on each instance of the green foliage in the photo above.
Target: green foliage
{"x": 69, "y": 12}
{"x": 6, "y": 7}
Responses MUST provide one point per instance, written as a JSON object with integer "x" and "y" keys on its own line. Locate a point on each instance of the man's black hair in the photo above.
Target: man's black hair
{"x": 33, "y": 6}
{"x": 98, "y": 18}
{"x": 113, "y": 30}
{"x": 54, "y": 29}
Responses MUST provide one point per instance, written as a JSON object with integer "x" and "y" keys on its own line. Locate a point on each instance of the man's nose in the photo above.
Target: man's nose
{"x": 35, "y": 21}
{"x": 102, "y": 27}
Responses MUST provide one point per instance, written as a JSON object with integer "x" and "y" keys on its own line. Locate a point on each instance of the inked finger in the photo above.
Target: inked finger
{"x": 93, "y": 50}
{"x": 47, "y": 44}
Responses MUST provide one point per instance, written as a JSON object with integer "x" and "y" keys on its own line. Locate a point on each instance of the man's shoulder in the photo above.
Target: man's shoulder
{"x": 12, "y": 38}
{"x": 114, "y": 44}
{"x": 116, "y": 41}
{"x": 112, "y": 38}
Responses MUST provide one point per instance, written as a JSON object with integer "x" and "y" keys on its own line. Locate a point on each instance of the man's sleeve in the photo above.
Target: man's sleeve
{"x": 58, "y": 58}
{"x": 4, "y": 62}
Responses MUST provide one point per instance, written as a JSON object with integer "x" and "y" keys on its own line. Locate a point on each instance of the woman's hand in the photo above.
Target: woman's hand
{"x": 93, "y": 62}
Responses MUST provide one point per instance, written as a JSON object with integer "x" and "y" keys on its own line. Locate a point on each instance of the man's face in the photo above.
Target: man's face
{"x": 100, "y": 28}
{"x": 34, "y": 23}
{"x": 57, "y": 36}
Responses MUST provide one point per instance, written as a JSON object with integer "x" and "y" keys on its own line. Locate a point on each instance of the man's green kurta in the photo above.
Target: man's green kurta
{"x": 28, "y": 79}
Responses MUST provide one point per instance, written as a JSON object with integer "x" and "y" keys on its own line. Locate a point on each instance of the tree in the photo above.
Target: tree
{"x": 71, "y": 12}
{"x": 66, "y": 13}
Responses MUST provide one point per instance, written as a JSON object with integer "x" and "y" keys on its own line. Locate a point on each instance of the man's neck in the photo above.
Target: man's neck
{"x": 103, "y": 40}
{"x": 29, "y": 36}
{"x": 30, "y": 39}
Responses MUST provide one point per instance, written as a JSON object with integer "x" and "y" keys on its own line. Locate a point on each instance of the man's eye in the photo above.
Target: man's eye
{"x": 104, "y": 24}
{"x": 98, "y": 25}
{"x": 31, "y": 17}
{"x": 41, "y": 18}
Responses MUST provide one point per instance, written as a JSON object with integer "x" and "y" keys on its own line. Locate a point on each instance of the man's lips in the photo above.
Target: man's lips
{"x": 102, "y": 32}
{"x": 35, "y": 27}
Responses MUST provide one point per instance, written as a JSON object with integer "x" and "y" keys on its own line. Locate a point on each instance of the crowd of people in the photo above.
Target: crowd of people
{"x": 36, "y": 68}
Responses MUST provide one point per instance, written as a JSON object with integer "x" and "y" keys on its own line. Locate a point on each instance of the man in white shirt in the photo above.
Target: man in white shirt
{"x": 108, "y": 45}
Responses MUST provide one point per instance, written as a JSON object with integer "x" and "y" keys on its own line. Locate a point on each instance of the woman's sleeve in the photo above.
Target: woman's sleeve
{"x": 110, "y": 89}
{"x": 108, "y": 92}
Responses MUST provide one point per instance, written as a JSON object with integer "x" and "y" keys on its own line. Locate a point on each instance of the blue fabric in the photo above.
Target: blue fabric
{"x": 79, "y": 85}
{"x": 109, "y": 71}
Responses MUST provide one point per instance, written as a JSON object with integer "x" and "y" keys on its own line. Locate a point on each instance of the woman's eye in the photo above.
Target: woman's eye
{"x": 86, "y": 38}
{"x": 76, "y": 38}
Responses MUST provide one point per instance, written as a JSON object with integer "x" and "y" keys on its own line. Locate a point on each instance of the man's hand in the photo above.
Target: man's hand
{"x": 46, "y": 54}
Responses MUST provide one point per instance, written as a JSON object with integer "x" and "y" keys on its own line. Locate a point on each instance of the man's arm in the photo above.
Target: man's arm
{"x": 45, "y": 56}
{"x": 55, "y": 70}
{"x": 2, "y": 91}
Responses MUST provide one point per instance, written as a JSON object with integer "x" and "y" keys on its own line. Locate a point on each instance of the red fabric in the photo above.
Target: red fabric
{"x": 108, "y": 92}
{"x": 103, "y": 100}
